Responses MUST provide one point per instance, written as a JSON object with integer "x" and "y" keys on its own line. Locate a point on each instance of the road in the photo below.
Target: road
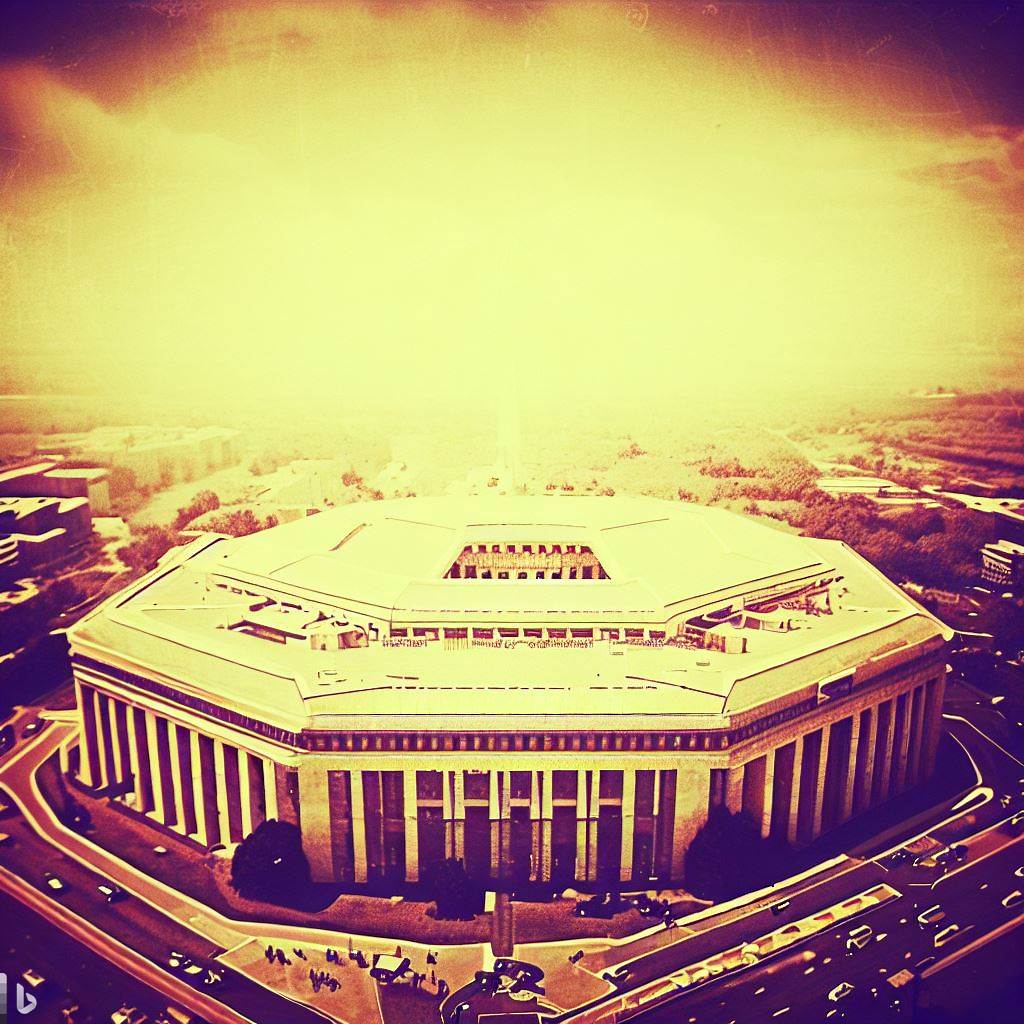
{"x": 795, "y": 984}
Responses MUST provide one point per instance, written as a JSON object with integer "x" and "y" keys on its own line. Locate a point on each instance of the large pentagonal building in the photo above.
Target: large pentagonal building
{"x": 547, "y": 688}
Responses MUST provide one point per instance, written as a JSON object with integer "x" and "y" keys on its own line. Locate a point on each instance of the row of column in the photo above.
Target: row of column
{"x": 195, "y": 784}
{"x": 824, "y": 777}
{"x": 551, "y": 824}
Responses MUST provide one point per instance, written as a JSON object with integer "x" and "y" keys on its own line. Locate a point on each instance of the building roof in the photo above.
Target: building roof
{"x": 383, "y": 565}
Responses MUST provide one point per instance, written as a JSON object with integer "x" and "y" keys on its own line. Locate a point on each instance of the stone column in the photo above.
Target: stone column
{"x": 819, "y": 796}
{"x": 869, "y": 739}
{"x": 460, "y": 815}
{"x": 412, "y": 829}
{"x": 886, "y": 740}
{"x": 794, "y": 797}
{"x": 99, "y": 717}
{"x": 270, "y": 789}
{"x": 691, "y": 806}
{"x": 628, "y": 823}
{"x": 851, "y": 769}
{"x": 536, "y": 837}
{"x": 917, "y": 733}
{"x": 734, "y": 789}
{"x": 594, "y": 813}
{"x": 203, "y": 826}
{"x": 358, "y": 826}
{"x": 178, "y": 782}
{"x": 904, "y": 748}
{"x": 316, "y": 820}
{"x": 159, "y": 810}
{"x": 87, "y": 767}
{"x": 581, "y": 824}
{"x": 769, "y": 794}
{"x": 547, "y": 813}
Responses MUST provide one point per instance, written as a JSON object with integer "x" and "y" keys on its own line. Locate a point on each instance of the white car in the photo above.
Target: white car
{"x": 841, "y": 991}
{"x": 858, "y": 938}
{"x": 53, "y": 882}
{"x": 946, "y": 935}
{"x": 1020, "y": 871}
{"x": 1013, "y": 900}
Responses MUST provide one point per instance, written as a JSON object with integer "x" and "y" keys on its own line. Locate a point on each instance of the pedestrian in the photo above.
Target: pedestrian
{"x": 269, "y": 954}
{"x": 431, "y": 957}
{"x": 398, "y": 950}
{"x": 299, "y": 953}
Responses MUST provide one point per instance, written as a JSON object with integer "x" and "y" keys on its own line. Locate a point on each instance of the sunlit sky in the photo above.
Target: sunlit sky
{"x": 273, "y": 200}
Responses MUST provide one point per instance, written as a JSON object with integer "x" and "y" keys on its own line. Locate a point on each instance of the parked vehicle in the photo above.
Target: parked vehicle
{"x": 946, "y": 935}
{"x": 841, "y": 991}
{"x": 1013, "y": 900}
{"x": 858, "y": 938}
{"x": 933, "y": 915}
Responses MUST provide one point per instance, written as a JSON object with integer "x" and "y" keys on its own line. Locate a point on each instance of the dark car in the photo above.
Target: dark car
{"x": 604, "y": 905}
{"x": 525, "y": 976}
{"x": 34, "y": 726}
{"x": 617, "y": 975}
{"x": 7, "y": 738}
{"x": 110, "y": 892}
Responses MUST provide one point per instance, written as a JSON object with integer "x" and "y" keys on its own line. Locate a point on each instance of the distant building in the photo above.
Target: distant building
{"x": 50, "y": 479}
{"x": 43, "y": 529}
{"x": 158, "y": 456}
{"x": 1002, "y": 563}
{"x": 882, "y": 492}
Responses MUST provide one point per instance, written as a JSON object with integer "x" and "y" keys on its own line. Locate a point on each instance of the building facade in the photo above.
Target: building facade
{"x": 572, "y": 717}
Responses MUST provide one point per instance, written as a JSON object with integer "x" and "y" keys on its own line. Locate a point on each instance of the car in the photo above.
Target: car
{"x": 160, "y": 851}
{"x": 858, "y": 938}
{"x": 778, "y": 908}
{"x": 388, "y": 968}
{"x": 603, "y": 905}
{"x": 1019, "y": 872}
{"x": 1013, "y": 900}
{"x": 7, "y": 738}
{"x": 126, "y": 1014}
{"x": 1017, "y": 819}
{"x": 5, "y": 839}
{"x": 946, "y": 935}
{"x": 112, "y": 893}
{"x": 53, "y": 882}
{"x": 33, "y": 727}
{"x": 841, "y": 991}
{"x": 699, "y": 973}
{"x": 897, "y": 857}
{"x": 617, "y": 975}
{"x": 933, "y": 915}
{"x": 955, "y": 854}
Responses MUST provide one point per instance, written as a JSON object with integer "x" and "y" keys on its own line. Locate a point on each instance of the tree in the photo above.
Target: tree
{"x": 204, "y": 501}
{"x": 145, "y": 550}
{"x": 728, "y": 857}
{"x": 456, "y": 896}
{"x": 269, "y": 864}
{"x": 238, "y": 522}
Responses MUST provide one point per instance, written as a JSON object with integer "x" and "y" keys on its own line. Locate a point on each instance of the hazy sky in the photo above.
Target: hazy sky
{"x": 267, "y": 201}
